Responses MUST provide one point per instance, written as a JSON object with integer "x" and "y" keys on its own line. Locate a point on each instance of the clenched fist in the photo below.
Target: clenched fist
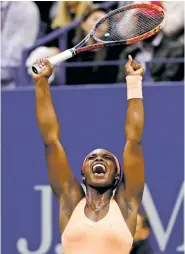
{"x": 47, "y": 70}
{"x": 133, "y": 68}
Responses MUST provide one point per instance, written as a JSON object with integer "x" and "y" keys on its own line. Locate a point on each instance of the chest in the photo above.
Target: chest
{"x": 108, "y": 230}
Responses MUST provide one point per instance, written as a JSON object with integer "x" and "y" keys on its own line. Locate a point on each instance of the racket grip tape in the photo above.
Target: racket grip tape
{"x": 55, "y": 60}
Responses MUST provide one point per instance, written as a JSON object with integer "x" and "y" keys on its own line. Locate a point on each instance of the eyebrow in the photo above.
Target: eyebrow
{"x": 104, "y": 154}
{"x": 92, "y": 154}
{"x": 110, "y": 155}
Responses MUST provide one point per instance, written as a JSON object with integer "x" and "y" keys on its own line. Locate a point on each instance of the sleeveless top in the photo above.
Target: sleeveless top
{"x": 109, "y": 235}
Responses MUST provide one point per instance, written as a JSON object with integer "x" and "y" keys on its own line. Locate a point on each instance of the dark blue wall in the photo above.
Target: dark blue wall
{"x": 90, "y": 118}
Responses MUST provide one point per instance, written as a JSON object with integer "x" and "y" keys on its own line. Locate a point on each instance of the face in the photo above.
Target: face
{"x": 72, "y": 5}
{"x": 141, "y": 232}
{"x": 88, "y": 24}
{"x": 100, "y": 169}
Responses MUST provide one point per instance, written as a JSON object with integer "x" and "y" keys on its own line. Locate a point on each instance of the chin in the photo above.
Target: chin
{"x": 100, "y": 184}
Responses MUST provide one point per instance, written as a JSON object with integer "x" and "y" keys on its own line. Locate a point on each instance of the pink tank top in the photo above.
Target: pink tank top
{"x": 110, "y": 235}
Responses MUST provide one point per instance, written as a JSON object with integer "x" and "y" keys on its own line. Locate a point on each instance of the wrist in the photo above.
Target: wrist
{"x": 134, "y": 76}
{"x": 134, "y": 87}
{"x": 41, "y": 79}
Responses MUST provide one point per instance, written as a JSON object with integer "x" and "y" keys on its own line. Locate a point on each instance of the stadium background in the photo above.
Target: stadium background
{"x": 90, "y": 116}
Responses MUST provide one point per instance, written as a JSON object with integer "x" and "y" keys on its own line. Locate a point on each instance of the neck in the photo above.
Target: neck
{"x": 98, "y": 196}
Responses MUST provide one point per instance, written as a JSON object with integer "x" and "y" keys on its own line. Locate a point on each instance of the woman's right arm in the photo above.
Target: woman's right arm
{"x": 63, "y": 183}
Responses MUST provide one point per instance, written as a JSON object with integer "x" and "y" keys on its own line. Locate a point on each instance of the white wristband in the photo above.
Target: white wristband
{"x": 134, "y": 87}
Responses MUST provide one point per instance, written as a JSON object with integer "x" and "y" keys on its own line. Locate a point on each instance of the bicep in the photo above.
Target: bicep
{"x": 133, "y": 164}
{"x": 62, "y": 180}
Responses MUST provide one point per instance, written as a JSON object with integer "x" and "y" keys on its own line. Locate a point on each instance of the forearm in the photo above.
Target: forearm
{"x": 135, "y": 110}
{"x": 46, "y": 116}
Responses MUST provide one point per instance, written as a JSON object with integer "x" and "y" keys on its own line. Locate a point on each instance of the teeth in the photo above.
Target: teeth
{"x": 99, "y": 165}
{"x": 101, "y": 174}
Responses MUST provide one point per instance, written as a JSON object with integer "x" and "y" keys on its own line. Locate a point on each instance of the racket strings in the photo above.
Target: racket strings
{"x": 127, "y": 24}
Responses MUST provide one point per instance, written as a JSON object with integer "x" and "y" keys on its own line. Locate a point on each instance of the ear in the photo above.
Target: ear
{"x": 117, "y": 177}
{"x": 116, "y": 180}
{"x": 83, "y": 179}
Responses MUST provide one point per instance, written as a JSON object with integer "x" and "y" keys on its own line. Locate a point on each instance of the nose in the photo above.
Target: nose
{"x": 99, "y": 158}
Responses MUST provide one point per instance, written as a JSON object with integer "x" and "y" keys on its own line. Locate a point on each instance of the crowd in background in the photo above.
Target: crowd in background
{"x": 23, "y": 23}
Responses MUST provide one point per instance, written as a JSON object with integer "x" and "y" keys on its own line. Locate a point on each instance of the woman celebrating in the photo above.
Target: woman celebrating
{"x": 96, "y": 222}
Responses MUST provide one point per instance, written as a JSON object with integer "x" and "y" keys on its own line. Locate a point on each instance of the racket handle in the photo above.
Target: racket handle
{"x": 55, "y": 60}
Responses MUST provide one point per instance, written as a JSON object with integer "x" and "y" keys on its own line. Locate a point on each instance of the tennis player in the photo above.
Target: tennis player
{"x": 96, "y": 222}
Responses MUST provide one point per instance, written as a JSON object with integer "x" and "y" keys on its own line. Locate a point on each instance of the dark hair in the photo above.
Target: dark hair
{"x": 145, "y": 220}
{"x": 79, "y": 34}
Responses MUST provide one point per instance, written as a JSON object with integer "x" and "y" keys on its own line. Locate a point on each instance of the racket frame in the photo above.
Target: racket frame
{"x": 80, "y": 47}
{"x": 101, "y": 44}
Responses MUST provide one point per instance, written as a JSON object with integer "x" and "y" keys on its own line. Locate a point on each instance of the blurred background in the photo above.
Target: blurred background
{"x": 90, "y": 99}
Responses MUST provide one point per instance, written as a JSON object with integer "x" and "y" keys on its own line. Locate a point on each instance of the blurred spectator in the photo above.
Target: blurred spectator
{"x": 158, "y": 46}
{"x": 95, "y": 74}
{"x": 141, "y": 243}
{"x": 19, "y": 29}
{"x": 45, "y": 9}
{"x": 174, "y": 26}
{"x": 124, "y": 3}
{"x": 41, "y": 52}
{"x": 66, "y": 12}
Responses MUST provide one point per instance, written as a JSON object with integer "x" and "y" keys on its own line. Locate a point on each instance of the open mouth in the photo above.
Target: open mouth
{"x": 99, "y": 169}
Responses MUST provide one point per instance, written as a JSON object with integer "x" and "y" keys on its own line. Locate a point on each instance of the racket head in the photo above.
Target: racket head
{"x": 129, "y": 24}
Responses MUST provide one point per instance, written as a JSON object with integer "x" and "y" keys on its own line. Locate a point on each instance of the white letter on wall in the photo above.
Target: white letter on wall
{"x": 161, "y": 235}
{"x": 46, "y": 224}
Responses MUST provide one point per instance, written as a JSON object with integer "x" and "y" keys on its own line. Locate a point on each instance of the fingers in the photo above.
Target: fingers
{"x": 46, "y": 68}
{"x": 132, "y": 63}
{"x": 136, "y": 65}
{"x": 46, "y": 62}
{"x": 133, "y": 68}
{"x": 40, "y": 63}
{"x": 43, "y": 62}
{"x": 129, "y": 61}
{"x": 130, "y": 58}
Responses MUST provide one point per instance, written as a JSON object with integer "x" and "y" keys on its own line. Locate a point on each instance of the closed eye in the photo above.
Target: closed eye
{"x": 108, "y": 157}
{"x": 92, "y": 157}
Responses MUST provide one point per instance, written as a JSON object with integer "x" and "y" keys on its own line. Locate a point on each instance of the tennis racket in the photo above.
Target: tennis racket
{"x": 125, "y": 25}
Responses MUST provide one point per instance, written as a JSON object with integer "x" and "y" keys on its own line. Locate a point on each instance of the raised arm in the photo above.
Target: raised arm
{"x": 129, "y": 192}
{"x": 63, "y": 183}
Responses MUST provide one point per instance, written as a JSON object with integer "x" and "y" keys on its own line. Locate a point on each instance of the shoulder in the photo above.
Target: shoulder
{"x": 26, "y": 8}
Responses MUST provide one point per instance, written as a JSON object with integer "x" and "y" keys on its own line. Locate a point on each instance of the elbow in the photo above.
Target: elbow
{"x": 50, "y": 137}
{"x": 134, "y": 143}
{"x": 51, "y": 141}
{"x": 134, "y": 135}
